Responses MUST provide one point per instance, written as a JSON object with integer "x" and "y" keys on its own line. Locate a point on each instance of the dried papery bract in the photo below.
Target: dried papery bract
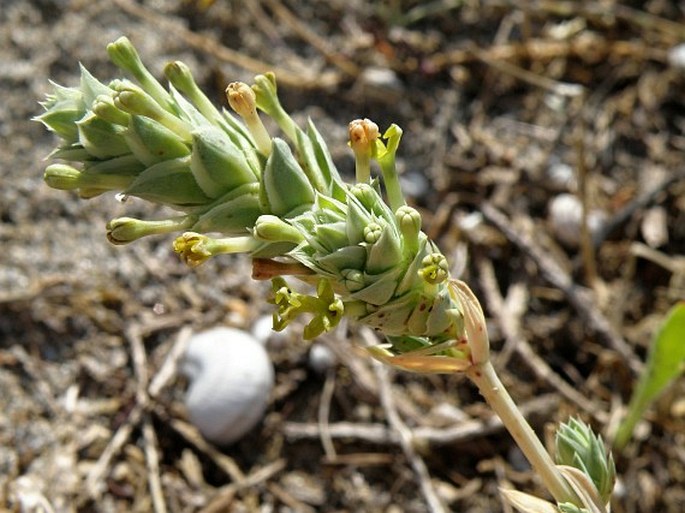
{"x": 357, "y": 248}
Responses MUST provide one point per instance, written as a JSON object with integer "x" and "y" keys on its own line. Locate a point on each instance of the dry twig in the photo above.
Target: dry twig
{"x": 510, "y": 326}
{"x": 405, "y": 437}
{"x": 552, "y": 272}
{"x": 381, "y": 434}
{"x": 212, "y": 47}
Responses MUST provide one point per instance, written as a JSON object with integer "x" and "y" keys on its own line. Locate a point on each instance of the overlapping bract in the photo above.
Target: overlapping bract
{"x": 273, "y": 199}
{"x": 579, "y": 447}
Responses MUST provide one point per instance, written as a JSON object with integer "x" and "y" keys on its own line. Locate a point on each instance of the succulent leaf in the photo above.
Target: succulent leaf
{"x": 217, "y": 163}
{"x": 151, "y": 142}
{"x": 101, "y": 138}
{"x": 285, "y": 188}
{"x": 170, "y": 182}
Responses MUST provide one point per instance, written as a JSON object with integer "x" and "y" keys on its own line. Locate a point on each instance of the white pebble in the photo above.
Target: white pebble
{"x": 321, "y": 358}
{"x": 676, "y": 56}
{"x": 261, "y": 328}
{"x": 654, "y": 226}
{"x": 565, "y": 218}
{"x": 561, "y": 176}
{"x": 383, "y": 79}
{"x": 231, "y": 378}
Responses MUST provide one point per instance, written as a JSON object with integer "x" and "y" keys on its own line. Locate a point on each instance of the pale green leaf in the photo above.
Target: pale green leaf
{"x": 664, "y": 364}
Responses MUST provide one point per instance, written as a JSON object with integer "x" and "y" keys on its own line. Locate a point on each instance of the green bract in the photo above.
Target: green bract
{"x": 237, "y": 189}
{"x": 577, "y": 446}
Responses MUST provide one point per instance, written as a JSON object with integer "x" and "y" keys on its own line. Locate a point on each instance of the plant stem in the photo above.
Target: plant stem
{"x": 492, "y": 389}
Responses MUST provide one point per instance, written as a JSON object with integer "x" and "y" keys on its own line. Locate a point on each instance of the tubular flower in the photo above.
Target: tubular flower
{"x": 238, "y": 189}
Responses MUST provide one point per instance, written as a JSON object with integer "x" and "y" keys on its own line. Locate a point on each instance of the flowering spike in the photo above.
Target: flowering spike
{"x": 287, "y": 206}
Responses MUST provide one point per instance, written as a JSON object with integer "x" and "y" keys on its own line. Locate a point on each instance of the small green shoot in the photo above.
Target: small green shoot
{"x": 665, "y": 362}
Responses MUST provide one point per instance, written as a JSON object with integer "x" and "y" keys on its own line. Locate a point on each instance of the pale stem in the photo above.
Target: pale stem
{"x": 362, "y": 168}
{"x": 493, "y": 391}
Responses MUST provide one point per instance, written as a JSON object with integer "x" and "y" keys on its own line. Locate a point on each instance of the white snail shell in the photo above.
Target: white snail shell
{"x": 231, "y": 378}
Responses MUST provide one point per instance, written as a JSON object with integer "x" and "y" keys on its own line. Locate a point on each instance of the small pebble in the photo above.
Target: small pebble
{"x": 321, "y": 358}
{"x": 414, "y": 185}
{"x": 676, "y": 56}
{"x": 262, "y": 330}
{"x": 654, "y": 227}
{"x": 565, "y": 218}
{"x": 561, "y": 176}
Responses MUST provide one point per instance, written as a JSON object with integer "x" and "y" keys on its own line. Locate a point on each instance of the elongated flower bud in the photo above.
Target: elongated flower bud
{"x": 103, "y": 107}
{"x": 242, "y": 100}
{"x": 363, "y": 134}
{"x": 266, "y": 98}
{"x": 181, "y": 78}
{"x": 270, "y": 228}
{"x": 127, "y": 229}
{"x": 409, "y": 221}
{"x": 134, "y": 100}
{"x": 124, "y": 55}
{"x": 66, "y": 177}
